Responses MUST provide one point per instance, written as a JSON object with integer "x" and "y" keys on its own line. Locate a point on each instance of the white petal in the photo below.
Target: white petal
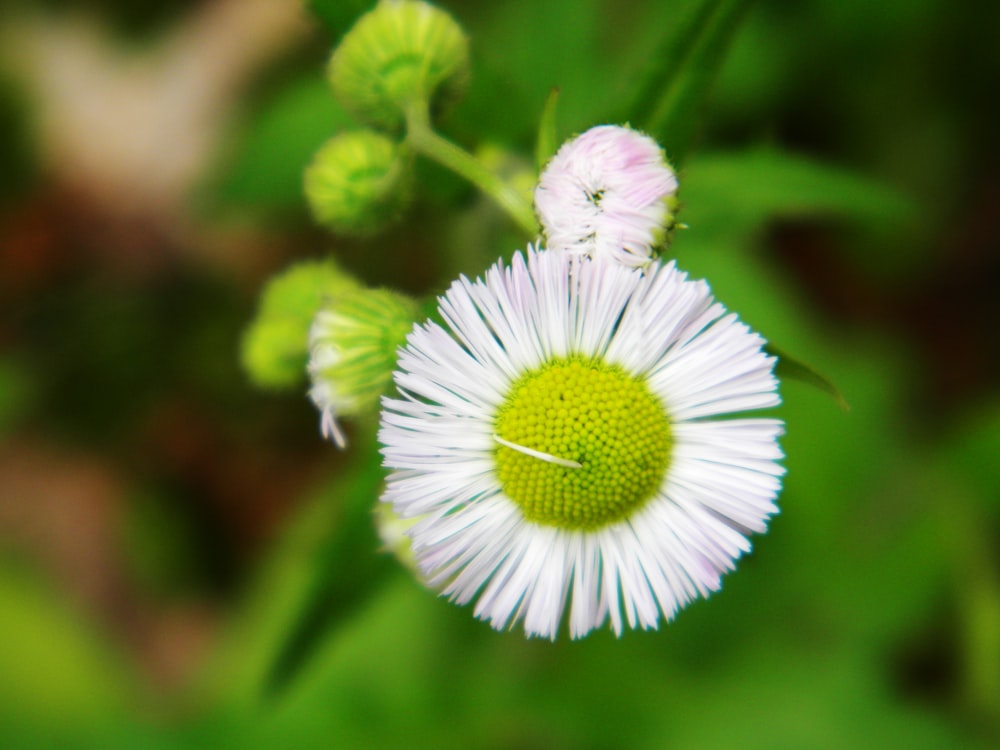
{"x": 473, "y": 542}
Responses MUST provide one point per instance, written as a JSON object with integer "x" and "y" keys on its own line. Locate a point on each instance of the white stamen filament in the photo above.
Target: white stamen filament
{"x": 538, "y": 454}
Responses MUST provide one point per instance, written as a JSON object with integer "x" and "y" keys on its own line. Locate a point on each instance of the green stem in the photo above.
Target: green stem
{"x": 425, "y": 141}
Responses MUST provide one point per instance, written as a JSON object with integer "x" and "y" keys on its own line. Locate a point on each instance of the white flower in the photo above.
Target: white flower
{"x": 609, "y": 191}
{"x": 562, "y": 440}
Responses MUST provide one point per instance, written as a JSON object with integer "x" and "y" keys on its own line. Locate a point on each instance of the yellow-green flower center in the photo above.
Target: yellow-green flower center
{"x": 581, "y": 444}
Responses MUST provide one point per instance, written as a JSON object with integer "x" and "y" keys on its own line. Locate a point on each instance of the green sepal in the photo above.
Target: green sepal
{"x": 353, "y": 346}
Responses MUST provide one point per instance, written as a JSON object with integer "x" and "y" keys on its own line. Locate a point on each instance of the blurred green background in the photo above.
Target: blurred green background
{"x": 183, "y": 561}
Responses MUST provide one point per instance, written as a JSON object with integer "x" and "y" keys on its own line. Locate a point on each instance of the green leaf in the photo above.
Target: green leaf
{"x": 738, "y": 192}
{"x": 669, "y": 104}
{"x": 971, "y": 451}
{"x": 324, "y": 569}
{"x": 789, "y": 367}
{"x": 348, "y": 568}
{"x": 55, "y": 669}
{"x": 548, "y": 139}
{"x": 673, "y": 45}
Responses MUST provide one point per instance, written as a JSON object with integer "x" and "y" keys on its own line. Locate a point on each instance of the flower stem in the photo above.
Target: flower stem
{"x": 425, "y": 141}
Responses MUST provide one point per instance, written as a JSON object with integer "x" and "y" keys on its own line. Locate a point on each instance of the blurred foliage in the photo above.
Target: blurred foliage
{"x": 842, "y": 166}
{"x": 16, "y": 394}
{"x": 669, "y": 106}
{"x": 50, "y": 660}
{"x": 739, "y": 193}
{"x": 17, "y": 162}
{"x": 279, "y": 141}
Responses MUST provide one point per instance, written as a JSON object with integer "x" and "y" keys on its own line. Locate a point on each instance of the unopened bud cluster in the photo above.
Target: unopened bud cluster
{"x": 609, "y": 192}
{"x": 403, "y": 55}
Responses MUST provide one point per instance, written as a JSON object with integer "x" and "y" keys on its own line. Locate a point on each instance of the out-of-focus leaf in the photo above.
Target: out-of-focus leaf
{"x": 799, "y": 693}
{"x": 16, "y": 393}
{"x": 266, "y": 172}
{"x": 674, "y": 44}
{"x": 523, "y": 49}
{"x": 973, "y": 451}
{"x": 325, "y": 567}
{"x": 789, "y": 367}
{"x": 413, "y": 670}
{"x": 160, "y": 539}
{"x": 979, "y": 614}
{"x": 735, "y": 193}
{"x": 548, "y": 140}
{"x": 863, "y": 534}
{"x": 53, "y": 666}
{"x": 669, "y": 105}
{"x": 339, "y": 15}
{"x": 348, "y": 567}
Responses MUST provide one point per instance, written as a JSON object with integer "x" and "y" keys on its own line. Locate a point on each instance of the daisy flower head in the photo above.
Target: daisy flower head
{"x": 567, "y": 439}
{"x": 608, "y": 192}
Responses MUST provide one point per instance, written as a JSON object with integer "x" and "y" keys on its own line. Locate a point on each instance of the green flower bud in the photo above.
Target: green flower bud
{"x": 402, "y": 52}
{"x": 358, "y": 183}
{"x": 276, "y": 343}
{"x": 352, "y": 353}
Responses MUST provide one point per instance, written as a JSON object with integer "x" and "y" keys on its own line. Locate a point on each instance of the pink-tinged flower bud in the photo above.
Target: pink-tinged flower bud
{"x": 608, "y": 192}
